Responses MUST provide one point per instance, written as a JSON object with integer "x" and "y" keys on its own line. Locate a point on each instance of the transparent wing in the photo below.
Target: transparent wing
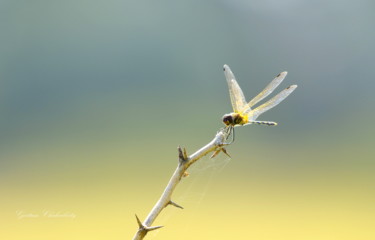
{"x": 254, "y": 114}
{"x": 236, "y": 95}
{"x": 266, "y": 91}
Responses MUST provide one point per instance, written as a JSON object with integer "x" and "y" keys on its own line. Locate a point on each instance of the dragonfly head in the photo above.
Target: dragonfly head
{"x": 228, "y": 119}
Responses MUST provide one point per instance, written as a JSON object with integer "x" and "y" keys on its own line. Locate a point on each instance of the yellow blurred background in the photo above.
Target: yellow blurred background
{"x": 95, "y": 97}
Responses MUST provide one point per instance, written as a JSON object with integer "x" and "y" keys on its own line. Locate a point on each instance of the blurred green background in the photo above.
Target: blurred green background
{"x": 95, "y": 97}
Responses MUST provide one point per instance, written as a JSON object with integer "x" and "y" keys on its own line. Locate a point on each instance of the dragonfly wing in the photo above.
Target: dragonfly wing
{"x": 254, "y": 114}
{"x": 267, "y": 90}
{"x": 236, "y": 95}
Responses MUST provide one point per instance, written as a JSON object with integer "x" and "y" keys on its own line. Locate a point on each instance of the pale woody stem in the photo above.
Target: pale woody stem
{"x": 184, "y": 163}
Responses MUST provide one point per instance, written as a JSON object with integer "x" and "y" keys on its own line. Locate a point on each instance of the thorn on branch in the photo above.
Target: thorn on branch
{"x": 140, "y": 225}
{"x": 220, "y": 149}
{"x": 148, "y": 229}
{"x": 186, "y": 174}
{"x": 145, "y": 228}
{"x": 225, "y": 152}
{"x": 175, "y": 204}
{"x": 215, "y": 153}
{"x": 182, "y": 155}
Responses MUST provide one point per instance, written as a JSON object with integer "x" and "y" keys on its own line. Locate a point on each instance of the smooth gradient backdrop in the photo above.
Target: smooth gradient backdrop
{"x": 95, "y": 97}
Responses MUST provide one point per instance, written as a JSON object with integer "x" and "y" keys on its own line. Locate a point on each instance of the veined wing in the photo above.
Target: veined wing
{"x": 266, "y": 91}
{"x": 236, "y": 95}
{"x": 254, "y": 114}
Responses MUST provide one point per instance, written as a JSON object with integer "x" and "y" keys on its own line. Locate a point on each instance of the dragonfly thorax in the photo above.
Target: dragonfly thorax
{"x": 234, "y": 119}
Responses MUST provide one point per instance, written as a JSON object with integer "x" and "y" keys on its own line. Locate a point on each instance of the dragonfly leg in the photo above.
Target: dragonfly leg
{"x": 232, "y": 135}
{"x": 230, "y": 131}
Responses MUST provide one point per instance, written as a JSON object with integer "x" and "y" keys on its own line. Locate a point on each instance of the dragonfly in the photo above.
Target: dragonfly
{"x": 243, "y": 113}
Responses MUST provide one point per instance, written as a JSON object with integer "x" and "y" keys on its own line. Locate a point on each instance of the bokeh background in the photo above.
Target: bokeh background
{"x": 95, "y": 97}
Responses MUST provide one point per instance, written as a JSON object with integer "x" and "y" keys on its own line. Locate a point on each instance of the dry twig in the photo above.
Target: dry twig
{"x": 216, "y": 145}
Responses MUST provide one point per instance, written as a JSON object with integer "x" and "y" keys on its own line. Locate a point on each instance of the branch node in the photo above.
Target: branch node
{"x": 145, "y": 228}
{"x": 175, "y": 204}
{"x": 220, "y": 137}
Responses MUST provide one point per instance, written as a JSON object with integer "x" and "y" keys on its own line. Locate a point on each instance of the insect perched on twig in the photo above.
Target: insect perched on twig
{"x": 242, "y": 113}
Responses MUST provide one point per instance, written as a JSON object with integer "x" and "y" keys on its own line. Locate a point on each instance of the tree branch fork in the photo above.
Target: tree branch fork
{"x": 216, "y": 146}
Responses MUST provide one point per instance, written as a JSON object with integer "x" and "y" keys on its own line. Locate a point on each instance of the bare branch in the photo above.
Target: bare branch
{"x": 185, "y": 162}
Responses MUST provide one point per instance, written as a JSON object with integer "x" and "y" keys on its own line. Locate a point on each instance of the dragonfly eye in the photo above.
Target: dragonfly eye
{"x": 228, "y": 119}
